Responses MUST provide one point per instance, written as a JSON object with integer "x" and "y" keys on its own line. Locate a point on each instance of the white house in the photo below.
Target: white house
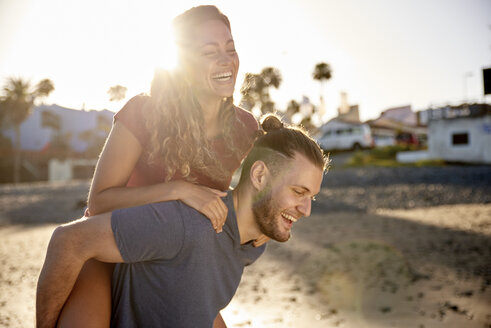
{"x": 35, "y": 136}
{"x": 456, "y": 134}
{"x": 461, "y": 135}
{"x": 73, "y": 125}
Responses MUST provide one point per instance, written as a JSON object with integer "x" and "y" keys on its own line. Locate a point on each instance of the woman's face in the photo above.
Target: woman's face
{"x": 213, "y": 61}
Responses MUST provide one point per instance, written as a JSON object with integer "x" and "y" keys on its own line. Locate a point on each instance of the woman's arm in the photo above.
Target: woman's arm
{"x": 116, "y": 163}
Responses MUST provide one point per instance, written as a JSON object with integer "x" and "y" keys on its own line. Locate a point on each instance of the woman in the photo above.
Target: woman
{"x": 184, "y": 142}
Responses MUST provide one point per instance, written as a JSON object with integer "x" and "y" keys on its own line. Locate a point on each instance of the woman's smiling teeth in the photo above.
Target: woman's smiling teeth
{"x": 224, "y": 76}
{"x": 288, "y": 217}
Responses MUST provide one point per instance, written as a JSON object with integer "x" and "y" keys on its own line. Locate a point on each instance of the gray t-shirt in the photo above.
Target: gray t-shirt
{"x": 179, "y": 272}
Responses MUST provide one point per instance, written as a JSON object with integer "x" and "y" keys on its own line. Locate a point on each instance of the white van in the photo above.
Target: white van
{"x": 343, "y": 136}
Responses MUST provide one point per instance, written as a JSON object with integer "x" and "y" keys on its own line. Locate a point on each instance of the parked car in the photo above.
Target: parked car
{"x": 336, "y": 135}
{"x": 407, "y": 139}
{"x": 384, "y": 140}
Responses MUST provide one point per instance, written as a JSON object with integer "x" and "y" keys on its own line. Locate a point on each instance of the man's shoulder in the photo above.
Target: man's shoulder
{"x": 160, "y": 225}
{"x": 151, "y": 216}
{"x": 193, "y": 220}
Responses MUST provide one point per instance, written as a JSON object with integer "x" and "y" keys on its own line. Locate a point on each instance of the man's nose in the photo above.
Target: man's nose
{"x": 305, "y": 207}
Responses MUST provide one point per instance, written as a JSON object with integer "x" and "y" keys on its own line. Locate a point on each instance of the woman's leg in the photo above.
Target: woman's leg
{"x": 89, "y": 303}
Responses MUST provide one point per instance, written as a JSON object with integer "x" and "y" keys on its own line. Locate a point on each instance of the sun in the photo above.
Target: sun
{"x": 161, "y": 44}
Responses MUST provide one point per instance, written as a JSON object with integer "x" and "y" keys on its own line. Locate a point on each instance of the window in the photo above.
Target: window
{"x": 344, "y": 131}
{"x": 460, "y": 138}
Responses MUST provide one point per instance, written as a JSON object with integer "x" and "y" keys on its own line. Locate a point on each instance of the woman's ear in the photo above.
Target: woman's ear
{"x": 259, "y": 175}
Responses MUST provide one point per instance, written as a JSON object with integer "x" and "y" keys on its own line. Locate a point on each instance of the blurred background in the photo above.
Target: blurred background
{"x": 393, "y": 65}
{"x": 398, "y": 92}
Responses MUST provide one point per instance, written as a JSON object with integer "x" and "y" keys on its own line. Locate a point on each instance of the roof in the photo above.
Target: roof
{"x": 459, "y": 111}
{"x": 402, "y": 116}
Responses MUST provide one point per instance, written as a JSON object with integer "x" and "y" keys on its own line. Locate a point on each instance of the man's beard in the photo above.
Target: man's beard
{"x": 266, "y": 213}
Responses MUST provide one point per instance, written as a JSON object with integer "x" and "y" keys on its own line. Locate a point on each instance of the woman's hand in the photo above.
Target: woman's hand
{"x": 205, "y": 200}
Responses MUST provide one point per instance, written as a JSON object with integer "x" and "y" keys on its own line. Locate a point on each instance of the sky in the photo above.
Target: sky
{"x": 383, "y": 53}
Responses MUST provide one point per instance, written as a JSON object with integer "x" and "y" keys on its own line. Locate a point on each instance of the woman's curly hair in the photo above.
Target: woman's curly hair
{"x": 175, "y": 119}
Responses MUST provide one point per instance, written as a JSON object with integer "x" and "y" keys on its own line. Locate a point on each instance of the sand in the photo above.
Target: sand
{"x": 381, "y": 275}
{"x": 421, "y": 267}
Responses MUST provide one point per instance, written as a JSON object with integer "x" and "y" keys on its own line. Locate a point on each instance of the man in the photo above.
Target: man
{"x": 175, "y": 270}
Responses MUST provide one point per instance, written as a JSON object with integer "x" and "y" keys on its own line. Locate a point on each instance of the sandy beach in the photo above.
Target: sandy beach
{"x": 383, "y": 248}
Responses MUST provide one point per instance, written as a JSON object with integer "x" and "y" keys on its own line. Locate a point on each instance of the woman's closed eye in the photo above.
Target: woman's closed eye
{"x": 209, "y": 53}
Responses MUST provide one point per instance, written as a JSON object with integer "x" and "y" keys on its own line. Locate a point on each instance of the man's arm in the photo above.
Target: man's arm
{"x": 70, "y": 246}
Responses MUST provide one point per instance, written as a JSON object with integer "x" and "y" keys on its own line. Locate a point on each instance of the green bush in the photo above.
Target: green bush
{"x": 388, "y": 152}
{"x": 386, "y": 156}
{"x": 358, "y": 159}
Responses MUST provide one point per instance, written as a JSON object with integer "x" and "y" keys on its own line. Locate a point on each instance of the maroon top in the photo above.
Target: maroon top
{"x": 146, "y": 174}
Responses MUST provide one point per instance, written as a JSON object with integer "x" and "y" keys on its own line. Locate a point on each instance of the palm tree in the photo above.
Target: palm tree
{"x": 117, "y": 93}
{"x": 60, "y": 142}
{"x": 292, "y": 108}
{"x": 271, "y": 76}
{"x": 255, "y": 89}
{"x": 51, "y": 120}
{"x": 44, "y": 88}
{"x": 322, "y": 72}
{"x": 17, "y": 103}
{"x": 251, "y": 90}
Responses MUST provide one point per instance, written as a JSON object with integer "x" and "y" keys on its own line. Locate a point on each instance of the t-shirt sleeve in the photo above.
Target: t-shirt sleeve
{"x": 131, "y": 115}
{"x": 148, "y": 232}
{"x": 247, "y": 119}
{"x": 250, "y": 126}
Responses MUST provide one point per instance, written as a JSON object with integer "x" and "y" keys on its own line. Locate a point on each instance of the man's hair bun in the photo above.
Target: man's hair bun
{"x": 271, "y": 122}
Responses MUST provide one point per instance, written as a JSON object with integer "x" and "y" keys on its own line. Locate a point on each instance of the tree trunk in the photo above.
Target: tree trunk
{"x": 17, "y": 154}
{"x": 322, "y": 104}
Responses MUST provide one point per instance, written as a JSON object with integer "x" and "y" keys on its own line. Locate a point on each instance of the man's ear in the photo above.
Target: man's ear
{"x": 259, "y": 175}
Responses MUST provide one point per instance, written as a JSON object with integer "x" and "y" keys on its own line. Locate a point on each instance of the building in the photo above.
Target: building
{"x": 36, "y": 134}
{"x": 57, "y": 143}
{"x": 460, "y": 133}
{"x": 398, "y": 125}
{"x": 347, "y": 112}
